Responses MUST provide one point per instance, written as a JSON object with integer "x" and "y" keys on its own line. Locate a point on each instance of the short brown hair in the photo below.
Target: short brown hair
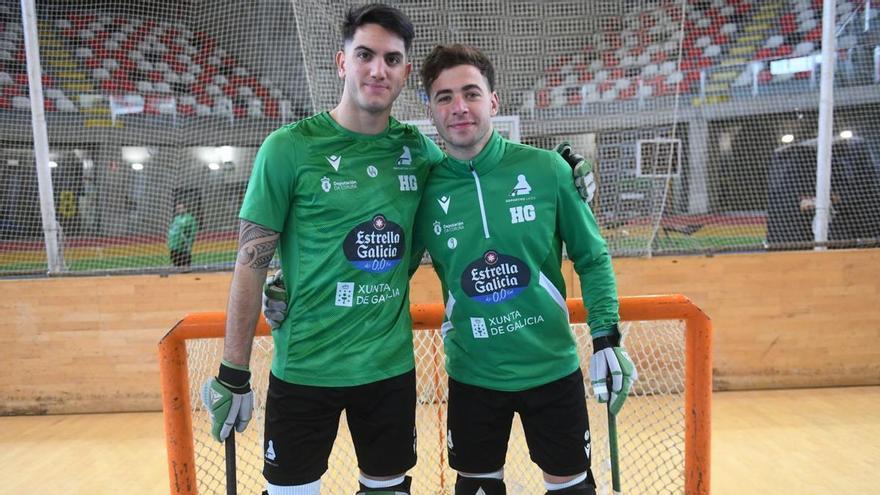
{"x": 443, "y": 57}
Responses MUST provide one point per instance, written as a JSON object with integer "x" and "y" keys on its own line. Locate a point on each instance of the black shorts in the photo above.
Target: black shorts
{"x": 302, "y": 422}
{"x": 554, "y": 419}
{"x": 181, "y": 257}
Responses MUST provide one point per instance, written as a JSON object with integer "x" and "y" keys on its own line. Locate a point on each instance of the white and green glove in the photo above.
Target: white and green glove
{"x": 610, "y": 359}
{"x": 582, "y": 171}
{"x": 229, "y": 399}
{"x": 274, "y": 300}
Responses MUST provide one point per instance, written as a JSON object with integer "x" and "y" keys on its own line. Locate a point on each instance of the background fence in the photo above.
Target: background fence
{"x": 702, "y": 116}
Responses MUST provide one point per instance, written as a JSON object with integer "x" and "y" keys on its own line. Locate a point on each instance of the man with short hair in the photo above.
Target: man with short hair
{"x": 493, "y": 217}
{"x": 337, "y": 192}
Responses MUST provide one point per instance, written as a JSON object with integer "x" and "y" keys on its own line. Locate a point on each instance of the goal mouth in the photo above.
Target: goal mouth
{"x": 663, "y": 430}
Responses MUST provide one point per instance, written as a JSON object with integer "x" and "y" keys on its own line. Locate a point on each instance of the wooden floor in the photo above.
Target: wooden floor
{"x": 809, "y": 441}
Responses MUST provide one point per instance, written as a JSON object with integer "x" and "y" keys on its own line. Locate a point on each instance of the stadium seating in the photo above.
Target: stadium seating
{"x": 704, "y": 51}
{"x": 175, "y": 70}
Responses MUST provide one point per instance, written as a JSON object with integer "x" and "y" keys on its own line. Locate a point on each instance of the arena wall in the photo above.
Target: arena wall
{"x": 781, "y": 320}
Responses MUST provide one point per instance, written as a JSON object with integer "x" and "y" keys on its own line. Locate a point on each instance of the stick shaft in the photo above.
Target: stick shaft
{"x": 231, "y": 482}
{"x": 612, "y": 450}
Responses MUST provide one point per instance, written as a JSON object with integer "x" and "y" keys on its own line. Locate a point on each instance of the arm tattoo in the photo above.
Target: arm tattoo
{"x": 256, "y": 245}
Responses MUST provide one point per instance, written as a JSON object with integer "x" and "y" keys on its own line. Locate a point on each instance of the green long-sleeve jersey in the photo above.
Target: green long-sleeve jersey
{"x": 182, "y": 232}
{"x": 494, "y": 227}
{"x": 344, "y": 205}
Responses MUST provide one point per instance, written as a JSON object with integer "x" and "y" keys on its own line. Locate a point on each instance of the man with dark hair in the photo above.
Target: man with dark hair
{"x": 493, "y": 217}
{"x": 337, "y": 193}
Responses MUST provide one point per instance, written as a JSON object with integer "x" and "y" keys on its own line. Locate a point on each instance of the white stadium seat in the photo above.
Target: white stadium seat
{"x": 774, "y": 41}
{"x": 712, "y": 51}
{"x": 668, "y": 67}
{"x": 803, "y": 48}
{"x": 100, "y": 74}
{"x": 65, "y": 105}
{"x": 171, "y": 77}
{"x": 21, "y": 103}
{"x": 202, "y": 110}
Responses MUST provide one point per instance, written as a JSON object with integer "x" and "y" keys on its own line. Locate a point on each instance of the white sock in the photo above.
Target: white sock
{"x": 560, "y": 486}
{"x": 371, "y": 483}
{"x": 313, "y": 488}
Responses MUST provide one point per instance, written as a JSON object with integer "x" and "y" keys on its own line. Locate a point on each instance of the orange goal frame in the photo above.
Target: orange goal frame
{"x": 697, "y": 396}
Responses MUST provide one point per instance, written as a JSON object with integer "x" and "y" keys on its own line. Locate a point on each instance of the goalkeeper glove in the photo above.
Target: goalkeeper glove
{"x": 274, "y": 300}
{"x": 229, "y": 399}
{"x": 582, "y": 170}
{"x": 609, "y": 358}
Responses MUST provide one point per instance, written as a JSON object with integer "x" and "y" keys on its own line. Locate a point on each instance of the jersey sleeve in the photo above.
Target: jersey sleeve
{"x": 432, "y": 151}
{"x": 588, "y": 251}
{"x": 416, "y": 254}
{"x": 271, "y": 186}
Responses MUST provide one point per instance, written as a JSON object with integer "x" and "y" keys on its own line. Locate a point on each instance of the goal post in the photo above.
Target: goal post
{"x": 664, "y": 428}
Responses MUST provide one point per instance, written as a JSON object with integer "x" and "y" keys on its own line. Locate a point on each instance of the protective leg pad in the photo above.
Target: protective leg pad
{"x": 399, "y": 489}
{"x": 470, "y": 486}
{"x": 582, "y": 488}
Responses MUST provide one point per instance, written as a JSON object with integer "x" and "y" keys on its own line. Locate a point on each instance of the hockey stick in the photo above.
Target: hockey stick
{"x": 612, "y": 451}
{"x": 231, "y": 483}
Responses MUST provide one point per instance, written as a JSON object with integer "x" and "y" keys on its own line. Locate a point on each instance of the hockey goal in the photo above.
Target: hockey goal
{"x": 663, "y": 430}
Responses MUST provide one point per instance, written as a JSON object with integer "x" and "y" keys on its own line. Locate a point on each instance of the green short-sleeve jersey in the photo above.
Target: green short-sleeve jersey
{"x": 344, "y": 205}
{"x": 494, "y": 227}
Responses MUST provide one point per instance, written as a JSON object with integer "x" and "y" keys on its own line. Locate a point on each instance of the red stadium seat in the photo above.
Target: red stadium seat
{"x": 783, "y": 51}
{"x": 763, "y": 53}
{"x": 542, "y": 100}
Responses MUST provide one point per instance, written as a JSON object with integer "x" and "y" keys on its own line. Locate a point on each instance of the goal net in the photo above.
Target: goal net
{"x": 663, "y": 429}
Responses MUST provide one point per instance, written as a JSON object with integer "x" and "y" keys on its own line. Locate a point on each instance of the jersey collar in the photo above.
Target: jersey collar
{"x": 485, "y": 161}
{"x": 325, "y": 115}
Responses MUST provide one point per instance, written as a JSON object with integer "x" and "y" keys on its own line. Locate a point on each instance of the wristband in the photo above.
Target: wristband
{"x": 606, "y": 341}
{"x": 235, "y": 377}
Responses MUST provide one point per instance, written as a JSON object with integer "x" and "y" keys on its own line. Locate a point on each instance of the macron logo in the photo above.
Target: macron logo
{"x": 215, "y": 396}
{"x": 444, "y": 203}
{"x": 334, "y": 160}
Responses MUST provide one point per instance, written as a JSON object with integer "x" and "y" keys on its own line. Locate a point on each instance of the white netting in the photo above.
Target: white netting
{"x": 151, "y": 103}
{"x": 650, "y": 428}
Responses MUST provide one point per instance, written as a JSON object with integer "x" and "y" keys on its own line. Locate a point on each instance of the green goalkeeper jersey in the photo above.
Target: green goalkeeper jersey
{"x": 344, "y": 205}
{"x": 494, "y": 227}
